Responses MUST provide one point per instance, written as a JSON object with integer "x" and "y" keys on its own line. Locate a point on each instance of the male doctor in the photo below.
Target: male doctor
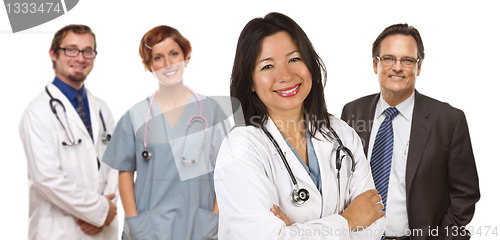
{"x": 63, "y": 131}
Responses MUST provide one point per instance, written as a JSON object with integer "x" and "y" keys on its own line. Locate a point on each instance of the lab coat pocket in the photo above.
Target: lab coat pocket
{"x": 69, "y": 155}
{"x": 205, "y": 225}
{"x": 138, "y": 227}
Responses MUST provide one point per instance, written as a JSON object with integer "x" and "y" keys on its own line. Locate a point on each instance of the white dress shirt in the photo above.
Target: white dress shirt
{"x": 396, "y": 214}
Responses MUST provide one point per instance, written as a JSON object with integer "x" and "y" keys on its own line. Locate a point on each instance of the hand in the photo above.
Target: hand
{"x": 364, "y": 210}
{"x": 216, "y": 207}
{"x": 88, "y": 228}
{"x": 112, "y": 209}
{"x": 281, "y": 215}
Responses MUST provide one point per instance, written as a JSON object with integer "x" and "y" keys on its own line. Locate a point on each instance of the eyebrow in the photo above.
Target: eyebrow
{"x": 389, "y": 55}
{"x": 75, "y": 46}
{"x": 288, "y": 54}
{"x": 169, "y": 52}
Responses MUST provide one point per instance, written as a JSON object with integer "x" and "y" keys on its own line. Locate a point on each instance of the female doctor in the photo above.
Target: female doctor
{"x": 170, "y": 140}
{"x": 289, "y": 138}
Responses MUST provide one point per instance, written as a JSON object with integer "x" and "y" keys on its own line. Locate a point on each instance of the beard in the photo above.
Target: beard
{"x": 77, "y": 77}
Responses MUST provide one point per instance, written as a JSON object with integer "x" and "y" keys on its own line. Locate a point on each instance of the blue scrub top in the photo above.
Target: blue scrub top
{"x": 174, "y": 199}
{"x": 313, "y": 168}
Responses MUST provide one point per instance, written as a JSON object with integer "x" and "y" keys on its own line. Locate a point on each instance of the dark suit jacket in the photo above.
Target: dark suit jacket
{"x": 442, "y": 185}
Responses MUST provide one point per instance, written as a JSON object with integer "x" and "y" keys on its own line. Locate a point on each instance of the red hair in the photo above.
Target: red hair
{"x": 157, "y": 35}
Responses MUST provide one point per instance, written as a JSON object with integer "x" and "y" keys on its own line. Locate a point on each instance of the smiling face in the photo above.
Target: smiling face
{"x": 73, "y": 70}
{"x": 397, "y": 82}
{"x": 168, "y": 62}
{"x": 281, "y": 79}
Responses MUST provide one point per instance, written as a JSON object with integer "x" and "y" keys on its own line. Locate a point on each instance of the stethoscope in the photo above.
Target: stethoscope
{"x": 300, "y": 195}
{"x": 147, "y": 155}
{"x": 53, "y": 102}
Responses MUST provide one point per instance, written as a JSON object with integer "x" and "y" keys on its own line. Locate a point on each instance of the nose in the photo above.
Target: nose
{"x": 168, "y": 62}
{"x": 79, "y": 57}
{"x": 171, "y": 61}
{"x": 283, "y": 73}
{"x": 397, "y": 66}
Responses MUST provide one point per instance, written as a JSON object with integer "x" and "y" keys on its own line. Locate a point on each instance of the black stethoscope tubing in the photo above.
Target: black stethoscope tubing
{"x": 280, "y": 152}
{"x": 300, "y": 196}
{"x": 106, "y": 137}
{"x": 338, "y": 165}
{"x": 342, "y": 147}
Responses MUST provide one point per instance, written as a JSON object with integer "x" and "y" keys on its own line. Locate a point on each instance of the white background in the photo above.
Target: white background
{"x": 461, "y": 42}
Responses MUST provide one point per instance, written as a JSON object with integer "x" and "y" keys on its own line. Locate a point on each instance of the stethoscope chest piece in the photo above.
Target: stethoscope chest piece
{"x": 72, "y": 141}
{"x": 299, "y": 197}
{"x": 106, "y": 137}
{"x": 146, "y": 155}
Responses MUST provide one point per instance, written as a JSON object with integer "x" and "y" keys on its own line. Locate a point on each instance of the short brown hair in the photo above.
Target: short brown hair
{"x": 155, "y": 36}
{"x": 402, "y": 29}
{"x": 61, "y": 34}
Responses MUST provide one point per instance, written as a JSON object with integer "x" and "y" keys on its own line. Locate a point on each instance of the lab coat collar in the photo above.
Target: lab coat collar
{"x": 326, "y": 159}
{"x": 303, "y": 178}
{"x": 95, "y": 119}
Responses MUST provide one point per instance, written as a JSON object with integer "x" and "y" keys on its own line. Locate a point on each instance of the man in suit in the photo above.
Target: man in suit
{"x": 432, "y": 183}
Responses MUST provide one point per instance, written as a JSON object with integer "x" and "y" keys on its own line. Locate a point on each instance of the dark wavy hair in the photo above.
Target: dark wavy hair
{"x": 247, "y": 51}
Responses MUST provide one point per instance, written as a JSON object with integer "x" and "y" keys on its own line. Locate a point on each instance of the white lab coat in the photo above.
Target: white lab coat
{"x": 65, "y": 184}
{"x": 250, "y": 177}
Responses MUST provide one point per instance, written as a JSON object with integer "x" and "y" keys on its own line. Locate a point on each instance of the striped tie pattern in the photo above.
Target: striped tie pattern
{"x": 82, "y": 112}
{"x": 382, "y": 154}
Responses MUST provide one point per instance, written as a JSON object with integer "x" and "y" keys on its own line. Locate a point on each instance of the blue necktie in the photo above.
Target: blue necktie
{"x": 82, "y": 112}
{"x": 382, "y": 154}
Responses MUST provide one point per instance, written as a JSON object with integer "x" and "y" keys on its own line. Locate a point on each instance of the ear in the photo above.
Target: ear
{"x": 375, "y": 66}
{"x": 419, "y": 67}
{"x": 52, "y": 55}
{"x": 186, "y": 62}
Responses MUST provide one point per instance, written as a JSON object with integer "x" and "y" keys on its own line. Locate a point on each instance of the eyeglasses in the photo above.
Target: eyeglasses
{"x": 390, "y": 61}
{"x": 73, "y": 52}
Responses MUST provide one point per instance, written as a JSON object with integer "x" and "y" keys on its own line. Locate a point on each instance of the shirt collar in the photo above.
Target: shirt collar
{"x": 67, "y": 90}
{"x": 405, "y": 108}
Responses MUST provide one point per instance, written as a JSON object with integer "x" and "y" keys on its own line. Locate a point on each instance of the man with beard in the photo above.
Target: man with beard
{"x": 64, "y": 133}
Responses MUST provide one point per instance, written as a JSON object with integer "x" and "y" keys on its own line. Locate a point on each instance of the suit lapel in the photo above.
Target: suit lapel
{"x": 420, "y": 129}
{"x": 367, "y": 116}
